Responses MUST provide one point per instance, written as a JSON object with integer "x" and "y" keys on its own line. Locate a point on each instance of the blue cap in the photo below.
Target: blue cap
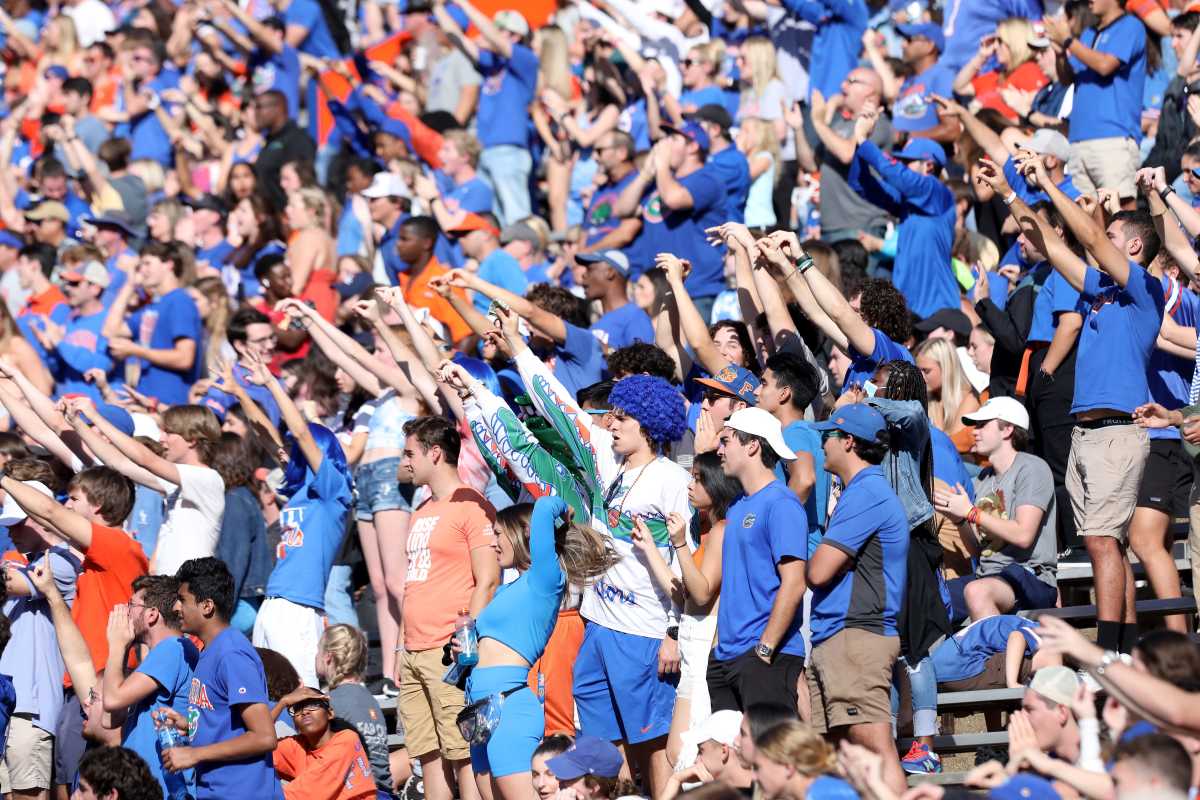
{"x": 1024, "y": 786}
{"x": 928, "y": 30}
{"x": 116, "y": 416}
{"x": 859, "y": 420}
{"x": 57, "y": 71}
{"x": 920, "y": 149}
{"x": 588, "y": 756}
{"x": 10, "y": 239}
{"x": 356, "y": 286}
{"x": 691, "y": 131}
{"x": 737, "y": 381}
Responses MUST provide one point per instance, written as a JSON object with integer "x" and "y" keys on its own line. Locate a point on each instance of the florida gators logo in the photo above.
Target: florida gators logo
{"x": 652, "y": 211}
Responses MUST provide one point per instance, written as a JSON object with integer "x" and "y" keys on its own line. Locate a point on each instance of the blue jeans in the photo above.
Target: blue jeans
{"x": 339, "y": 607}
{"x": 506, "y": 168}
{"x": 923, "y": 682}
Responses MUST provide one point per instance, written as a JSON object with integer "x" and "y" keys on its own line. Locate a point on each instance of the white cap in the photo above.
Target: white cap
{"x": 386, "y": 184}
{"x": 144, "y": 425}
{"x": 1046, "y": 142}
{"x": 762, "y": 423}
{"x": 721, "y": 727}
{"x": 425, "y": 317}
{"x": 12, "y": 513}
{"x": 1057, "y": 684}
{"x": 511, "y": 21}
{"x": 1005, "y": 409}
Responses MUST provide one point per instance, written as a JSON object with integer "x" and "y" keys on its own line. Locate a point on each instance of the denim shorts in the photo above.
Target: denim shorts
{"x": 378, "y": 490}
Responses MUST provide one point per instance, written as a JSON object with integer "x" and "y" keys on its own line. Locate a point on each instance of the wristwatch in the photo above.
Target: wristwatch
{"x": 1109, "y": 658}
{"x": 764, "y": 651}
{"x": 673, "y": 632}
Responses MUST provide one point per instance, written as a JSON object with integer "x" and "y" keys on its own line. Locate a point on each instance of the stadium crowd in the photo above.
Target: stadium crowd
{"x": 666, "y": 397}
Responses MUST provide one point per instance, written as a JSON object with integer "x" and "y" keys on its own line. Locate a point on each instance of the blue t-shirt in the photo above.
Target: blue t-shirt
{"x": 837, "y": 41}
{"x": 965, "y": 654}
{"x": 694, "y": 98}
{"x": 504, "y": 96}
{"x": 869, "y": 525}
{"x": 170, "y": 664}
{"x": 966, "y": 22}
{"x": 761, "y": 531}
{"x": 312, "y": 526}
{"x": 214, "y": 256}
{"x": 801, "y": 437}
{"x": 682, "y": 232}
{"x": 82, "y": 348}
{"x": 578, "y": 361}
{"x": 280, "y": 72}
{"x": 863, "y": 366}
{"x": 1110, "y": 106}
{"x": 158, "y": 326}
{"x": 229, "y": 676}
{"x": 1031, "y": 196}
{"x": 8, "y": 704}
{"x": 1169, "y": 376}
{"x": 147, "y": 137}
{"x": 622, "y": 326}
{"x": 500, "y": 269}
{"x": 1056, "y": 296}
{"x": 319, "y": 42}
{"x": 733, "y": 171}
{"x": 830, "y": 787}
{"x": 1120, "y": 327}
{"x": 472, "y": 195}
{"x": 599, "y": 219}
{"x": 914, "y": 110}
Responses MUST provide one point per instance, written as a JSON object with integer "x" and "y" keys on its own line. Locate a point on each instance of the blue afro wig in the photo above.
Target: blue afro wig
{"x": 654, "y": 403}
{"x": 296, "y": 473}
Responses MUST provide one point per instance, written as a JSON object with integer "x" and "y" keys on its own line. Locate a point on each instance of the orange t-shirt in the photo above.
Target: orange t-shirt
{"x": 338, "y": 770}
{"x": 418, "y": 293}
{"x": 109, "y": 568}
{"x": 1028, "y": 78}
{"x": 441, "y": 536}
{"x": 44, "y": 304}
{"x": 1143, "y": 8}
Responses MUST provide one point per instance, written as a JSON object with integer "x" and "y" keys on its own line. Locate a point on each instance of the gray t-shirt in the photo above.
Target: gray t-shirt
{"x": 841, "y": 206}
{"x": 355, "y": 705}
{"x": 1027, "y": 482}
{"x": 447, "y": 76}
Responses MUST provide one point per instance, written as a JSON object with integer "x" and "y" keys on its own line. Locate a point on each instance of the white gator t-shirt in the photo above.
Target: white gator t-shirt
{"x": 192, "y": 523}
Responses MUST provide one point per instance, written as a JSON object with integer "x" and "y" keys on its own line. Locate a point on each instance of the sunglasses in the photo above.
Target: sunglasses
{"x": 713, "y": 395}
{"x": 827, "y": 435}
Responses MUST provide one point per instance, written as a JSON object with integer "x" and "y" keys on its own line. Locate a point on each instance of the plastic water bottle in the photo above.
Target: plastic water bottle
{"x": 468, "y": 640}
{"x": 168, "y": 735}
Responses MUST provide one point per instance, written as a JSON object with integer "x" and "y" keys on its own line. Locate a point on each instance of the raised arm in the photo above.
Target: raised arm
{"x": 26, "y": 418}
{"x": 292, "y": 417}
{"x": 106, "y": 448}
{"x": 695, "y": 329}
{"x": 539, "y": 318}
{"x": 253, "y": 410}
{"x": 74, "y": 527}
{"x": 984, "y": 136}
{"x": 1083, "y": 226}
{"x": 496, "y": 41}
{"x": 427, "y": 355}
{"x": 71, "y": 643}
{"x": 856, "y": 332}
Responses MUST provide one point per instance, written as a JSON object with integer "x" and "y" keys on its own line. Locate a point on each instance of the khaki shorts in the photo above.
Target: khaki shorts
{"x": 1104, "y": 472}
{"x": 428, "y": 707}
{"x": 29, "y": 758}
{"x": 850, "y": 679}
{"x": 1109, "y": 163}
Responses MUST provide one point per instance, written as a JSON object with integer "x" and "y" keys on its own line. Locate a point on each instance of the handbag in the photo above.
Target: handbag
{"x": 480, "y": 719}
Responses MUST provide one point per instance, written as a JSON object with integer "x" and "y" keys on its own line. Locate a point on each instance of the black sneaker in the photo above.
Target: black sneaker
{"x": 413, "y": 789}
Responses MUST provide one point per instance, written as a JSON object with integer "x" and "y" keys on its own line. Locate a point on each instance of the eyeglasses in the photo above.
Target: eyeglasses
{"x": 853, "y": 81}
{"x": 72, "y": 284}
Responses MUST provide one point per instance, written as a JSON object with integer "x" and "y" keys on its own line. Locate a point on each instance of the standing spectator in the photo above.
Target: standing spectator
{"x": 914, "y": 111}
{"x": 77, "y": 346}
{"x": 1106, "y": 115}
{"x": 228, "y": 721}
{"x": 725, "y": 160}
{"x": 163, "y": 678}
{"x": 285, "y": 142}
{"x": 858, "y": 574}
{"x": 451, "y": 567}
{"x": 480, "y": 241}
{"x": 603, "y": 228}
{"x": 163, "y": 336}
{"x": 840, "y": 25}
{"x": 760, "y": 653}
{"x": 607, "y": 279}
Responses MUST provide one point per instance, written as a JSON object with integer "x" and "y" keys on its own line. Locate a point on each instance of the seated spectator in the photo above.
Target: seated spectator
{"x": 715, "y": 740}
{"x": 792, "y": 762}
{"x": 115, "y": 773}
{"x": 545, "y": 782}
{"x": 589, "y": 767}
{"x": 322, "y": 759}
{"x": 1010, "y": 527}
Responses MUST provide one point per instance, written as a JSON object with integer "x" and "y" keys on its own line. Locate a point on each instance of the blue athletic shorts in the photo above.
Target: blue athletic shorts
{"x": 522, "y": 721}
{"x": 618, "y": 693}
{"x": 1031, "y": 593}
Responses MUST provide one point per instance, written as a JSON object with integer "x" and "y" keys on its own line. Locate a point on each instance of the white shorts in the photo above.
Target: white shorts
{"x": 696, "y": 635}
{"x": 292, "y": 630}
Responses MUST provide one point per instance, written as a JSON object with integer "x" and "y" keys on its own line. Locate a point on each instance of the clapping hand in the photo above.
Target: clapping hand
{"x": 120, "y": 628}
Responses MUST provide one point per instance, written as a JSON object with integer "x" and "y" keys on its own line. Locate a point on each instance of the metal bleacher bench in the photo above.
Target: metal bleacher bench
{"x": 1084, "y": 616}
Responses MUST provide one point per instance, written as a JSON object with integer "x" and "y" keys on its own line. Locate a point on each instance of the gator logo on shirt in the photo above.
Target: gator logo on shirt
{"x": 749, "y": 520}
{"x": 913, "y": 102}
{"x": 493, "y": 83}
{"x": 652, "y": 211}
{"x": 290, "y": 534}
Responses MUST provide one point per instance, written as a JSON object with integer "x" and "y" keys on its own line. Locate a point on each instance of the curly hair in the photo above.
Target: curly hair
{"x": 117, "y": 769}
{"x": 641, "y": 358}
{"x": 559, "y": 302}
{"x": 883, "y": 307}
{"x": 654, "y": 403}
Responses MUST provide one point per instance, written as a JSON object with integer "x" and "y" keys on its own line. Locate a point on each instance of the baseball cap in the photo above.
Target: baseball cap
{"x": 355, "y": 286}
{"x": 48, "y": 209}
{"x": 928, "y": 30}
{"x": 691, "y": 131}
{"x": 715, "y": 114}
{"x": 520, "y": 232}
{"x": 206, "y": 202}
{"x": 1057, "y": 684}
{"x": 1049, "y": 142}
{"x": 921, "y": 149}
{"x": 386, "y": 184}
{"x": 115, "y": 219}
{"x": 145, "y": 425}
{"x": 760, "y": 422}
{"x": 588, "y": 756}
{"x": 722, "y": 727}
{"x": 949, "y": 318}
{"x": 614, "y": 258}
{"x": 11, "y": 513}
{"x": 10, "y": 239}
{"x": 116, "y": 416}
{"x": 1005, "y": 409}
{"x": 57, "y": 71}
{"x": 92, "y": 272}
{"x": 1037, "y": 36}
{"x": 1024, "y": 786}
{"x": 733, "y": 380}
{"x": 858, "y": 419}
{"x": 473, "y": 222}
{"x": 512, "y": 21}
